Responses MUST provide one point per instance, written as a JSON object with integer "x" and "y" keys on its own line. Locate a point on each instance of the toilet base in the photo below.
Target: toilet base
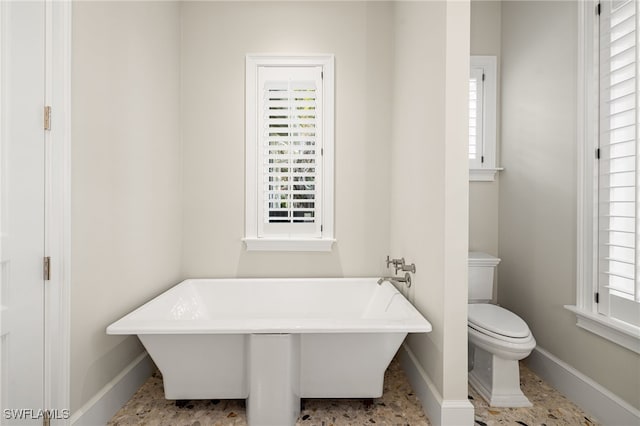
{"x": 496, "y": 379}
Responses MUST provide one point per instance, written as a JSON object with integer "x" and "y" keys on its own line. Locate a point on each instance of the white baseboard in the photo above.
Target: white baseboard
{"x": 99, "y": 409}
{"x": 591, "y": 397}
{"x": 440, "y": 412}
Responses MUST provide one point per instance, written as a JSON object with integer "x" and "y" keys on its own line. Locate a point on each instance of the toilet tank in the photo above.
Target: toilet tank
{"x": 482, "y": 267}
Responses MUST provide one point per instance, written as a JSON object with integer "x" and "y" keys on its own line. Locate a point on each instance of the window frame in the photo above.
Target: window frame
{"x": 292, "y": 242}
{"x": 486, "y": 170}
{"x": 586, "y": 307}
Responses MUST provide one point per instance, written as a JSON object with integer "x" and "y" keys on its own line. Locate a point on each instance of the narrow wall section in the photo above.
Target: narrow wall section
{"x": 125, "y": 213}
{"x": 429, "y": 199}
{"x": 538, "y": 191}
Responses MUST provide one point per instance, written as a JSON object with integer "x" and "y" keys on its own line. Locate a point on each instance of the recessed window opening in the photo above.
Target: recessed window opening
{"x": 289, "y": 152}
{"x": 482, "y": 118}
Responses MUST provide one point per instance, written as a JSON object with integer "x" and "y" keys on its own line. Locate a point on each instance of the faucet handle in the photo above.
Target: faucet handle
{"x": 398, "y": 264}
{"x": 409, "y": 268}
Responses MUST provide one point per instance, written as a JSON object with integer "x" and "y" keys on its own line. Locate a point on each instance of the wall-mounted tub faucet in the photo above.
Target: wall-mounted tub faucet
{"x": 397, "y": 280}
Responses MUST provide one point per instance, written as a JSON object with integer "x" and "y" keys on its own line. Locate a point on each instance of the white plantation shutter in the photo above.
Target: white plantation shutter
{"x": 476, "y": 110}
{"x": 290, "y": 144}
{"x": 618, "y": 187}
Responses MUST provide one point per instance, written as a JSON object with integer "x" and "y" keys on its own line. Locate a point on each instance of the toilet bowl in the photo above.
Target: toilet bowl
{"x": 498, "y": 339}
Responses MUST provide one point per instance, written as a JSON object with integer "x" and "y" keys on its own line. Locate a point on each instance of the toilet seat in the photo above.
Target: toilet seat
{"x": 499, "y": 331}
{"x": 498, "y": 323}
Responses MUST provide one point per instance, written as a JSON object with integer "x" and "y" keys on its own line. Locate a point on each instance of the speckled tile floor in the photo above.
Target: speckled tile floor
{"x": 550, "y": 407}
{"x": 398, "y": 406}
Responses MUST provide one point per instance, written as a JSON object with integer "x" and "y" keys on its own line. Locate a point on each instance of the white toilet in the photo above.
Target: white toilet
{"x": 498, "y": 339}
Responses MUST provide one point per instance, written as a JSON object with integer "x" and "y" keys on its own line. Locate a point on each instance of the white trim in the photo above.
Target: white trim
{"x": 108, "y": 401}
{"x": 593, "y": 398}
{"x": 58, "y": 216}
{"x": 253, "y": 61}
{"x": 440, "y": 412}
{"x": 586, "y": 184}
{"x": 483, "y": 175}
{"x": 619, "y": 332}
{"x": 269, "y": 244}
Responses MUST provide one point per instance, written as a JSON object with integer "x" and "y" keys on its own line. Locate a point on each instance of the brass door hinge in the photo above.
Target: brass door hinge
{"x": 47, "y": 118}
{"x": 46, "y": 268}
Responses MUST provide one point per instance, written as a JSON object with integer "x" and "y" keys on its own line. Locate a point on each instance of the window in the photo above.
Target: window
{"x": 289, "y": 153}
{"x": 609, "y": 285}
{"x": 482, "y": 118}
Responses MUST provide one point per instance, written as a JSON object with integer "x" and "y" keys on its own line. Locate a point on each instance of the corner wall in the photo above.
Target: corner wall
{"x": 429, "y": 200}
{"x": 538, "y": 191}
{"x": 125, "y": 189}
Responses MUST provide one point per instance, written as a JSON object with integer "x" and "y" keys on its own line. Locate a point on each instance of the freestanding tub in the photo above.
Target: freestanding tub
{"x": 274, "y": 341}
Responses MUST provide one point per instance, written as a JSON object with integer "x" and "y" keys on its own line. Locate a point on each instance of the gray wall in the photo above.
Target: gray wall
{"x": 483, "y": 196}
{"x": 125, "y": 189}
{"x": 429, "y": 164}
{"x": 216, "y": 36}
{"x": 537, "y": 229}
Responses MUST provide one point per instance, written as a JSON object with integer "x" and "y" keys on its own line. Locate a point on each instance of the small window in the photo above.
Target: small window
{"x": 289, "y": 149}
{"x": 482, "y": 118}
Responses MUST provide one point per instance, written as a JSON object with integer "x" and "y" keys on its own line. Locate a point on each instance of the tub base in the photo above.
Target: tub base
{"x": 274, "y": 382}
{"x": 272, "y": 371}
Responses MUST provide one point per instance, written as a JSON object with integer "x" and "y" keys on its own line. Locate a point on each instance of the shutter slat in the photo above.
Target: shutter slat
{"x": 622, "y": 43}
{"x": 620, "y": 60}
{"x": 625, "y": 72}
{"x": 612, "y": 259}
{"x": 291, "y": 157}
{"x": 620, "y": 90}
{"x": 622, "y": 104}
{"x": 613, "y": 274}
{"x": 293, "y": 175}
{"x": 622, "y": 12}
{"x": 293, "y": 209}
{"x": 290, "y": 193}
{"x": 622, "y": 28}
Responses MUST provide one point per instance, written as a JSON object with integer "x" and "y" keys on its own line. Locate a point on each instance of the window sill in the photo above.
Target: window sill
{"x": 618, "y": 332}
{"x": 483, "y": 175}
{"x": 269, "y": 244}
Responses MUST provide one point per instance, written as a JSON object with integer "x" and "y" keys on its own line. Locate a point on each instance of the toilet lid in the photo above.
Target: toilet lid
{"x": 497, "y": 320}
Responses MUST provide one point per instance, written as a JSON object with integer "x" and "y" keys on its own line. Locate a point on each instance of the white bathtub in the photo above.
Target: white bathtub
{"x": 274, "y": 341}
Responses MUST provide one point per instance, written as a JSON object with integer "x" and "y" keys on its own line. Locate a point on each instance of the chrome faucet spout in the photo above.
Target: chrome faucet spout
{"x": 397, "y": 280}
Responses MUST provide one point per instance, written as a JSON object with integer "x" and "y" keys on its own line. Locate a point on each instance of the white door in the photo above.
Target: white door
{"x": 22, "y": 214}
